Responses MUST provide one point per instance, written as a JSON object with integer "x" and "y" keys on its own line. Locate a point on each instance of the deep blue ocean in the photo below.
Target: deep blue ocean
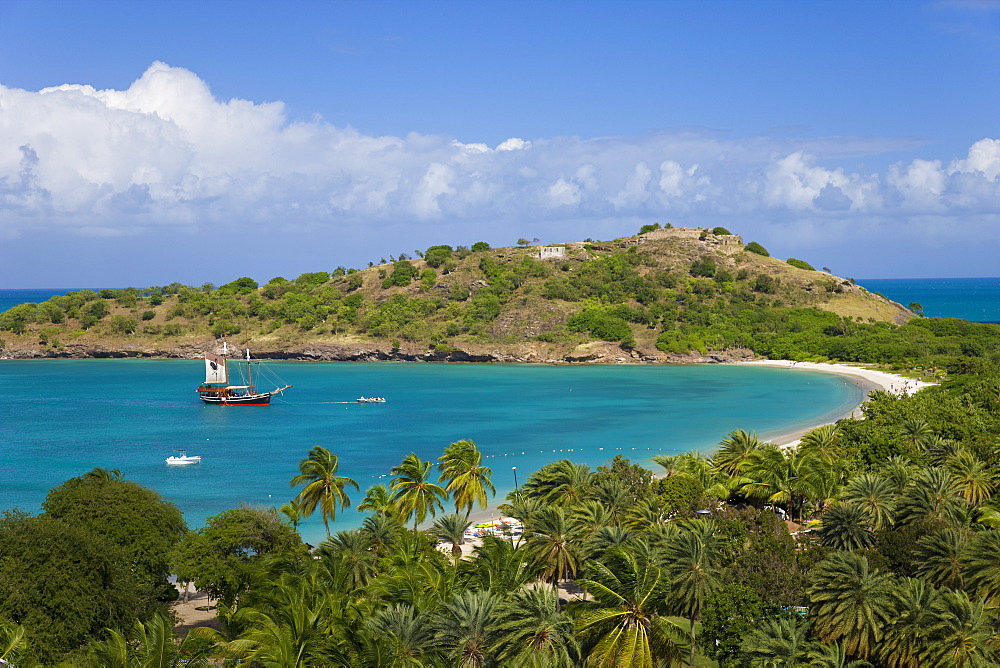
{"x": 60, "y": 418}
{"x": 975, "y": 299}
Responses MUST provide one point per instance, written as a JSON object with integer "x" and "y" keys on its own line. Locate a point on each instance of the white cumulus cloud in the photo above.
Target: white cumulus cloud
{"x": 165, "y": 152}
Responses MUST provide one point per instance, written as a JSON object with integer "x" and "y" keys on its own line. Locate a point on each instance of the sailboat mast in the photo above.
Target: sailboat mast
{"x": 250, "y": 374}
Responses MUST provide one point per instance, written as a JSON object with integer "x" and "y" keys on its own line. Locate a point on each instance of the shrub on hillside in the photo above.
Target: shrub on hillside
{"x": 720, "y": 230}
{"x": 649, "y": 228}
{"x": 755, "y": 247}
{"x": 800, "y": 264}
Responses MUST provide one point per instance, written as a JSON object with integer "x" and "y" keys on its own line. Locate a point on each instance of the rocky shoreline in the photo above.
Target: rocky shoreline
{"x": 593, "y": 353}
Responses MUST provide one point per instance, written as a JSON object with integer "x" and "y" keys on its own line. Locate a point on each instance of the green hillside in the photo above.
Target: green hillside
{"x": 665, "y": 295}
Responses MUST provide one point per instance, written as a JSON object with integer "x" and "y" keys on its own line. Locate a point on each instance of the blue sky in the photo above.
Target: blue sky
{"x": 146, "y": 143}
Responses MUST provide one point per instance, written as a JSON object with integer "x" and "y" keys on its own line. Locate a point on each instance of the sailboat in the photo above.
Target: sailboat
{"x": 217, "y": 390}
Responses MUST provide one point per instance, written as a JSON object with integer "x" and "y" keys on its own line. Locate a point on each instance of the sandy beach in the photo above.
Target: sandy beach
{"x": 867, "y": 379}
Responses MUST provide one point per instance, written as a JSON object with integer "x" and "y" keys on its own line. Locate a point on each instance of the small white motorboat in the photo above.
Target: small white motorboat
{"x": 183, "y": 459}
{"x": 371, "y": 400}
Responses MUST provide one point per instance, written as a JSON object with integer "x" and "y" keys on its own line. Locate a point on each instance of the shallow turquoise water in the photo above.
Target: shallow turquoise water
{"x": 60, "y": 418}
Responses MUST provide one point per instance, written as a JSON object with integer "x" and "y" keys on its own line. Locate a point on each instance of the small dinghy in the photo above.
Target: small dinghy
{"x": 182, "y": 459}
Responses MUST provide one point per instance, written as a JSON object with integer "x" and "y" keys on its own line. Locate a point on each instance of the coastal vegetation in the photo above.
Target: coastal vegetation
{"x": 666, "y": 294}
{"x": 874, "y": 540}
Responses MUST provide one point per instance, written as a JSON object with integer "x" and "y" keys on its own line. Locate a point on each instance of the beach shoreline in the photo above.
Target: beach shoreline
{"x": 868, "y": 380}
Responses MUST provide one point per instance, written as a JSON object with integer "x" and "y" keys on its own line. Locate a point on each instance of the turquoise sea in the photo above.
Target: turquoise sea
{"x": 60, "y": 418}
{"x": 975, "y": 299}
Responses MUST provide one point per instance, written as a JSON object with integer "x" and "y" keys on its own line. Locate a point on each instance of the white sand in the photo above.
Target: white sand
{"x": 883, "y": 380}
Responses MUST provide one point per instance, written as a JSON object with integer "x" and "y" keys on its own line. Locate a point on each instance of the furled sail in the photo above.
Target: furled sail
{"x": 215, "y": 369}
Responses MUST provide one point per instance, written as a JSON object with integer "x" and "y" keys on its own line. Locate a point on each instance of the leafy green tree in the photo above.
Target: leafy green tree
{"x": 63, "y": 585}
{"x": 720, "y": 231}
{"x": 468, "y": 480}
{"x": 138, "y": 521}
{"x": 799, "y": 264}
{"x": 414, "y": 493}
{"x": 323, "y": 487}
{"x": 480, "y": 246}
{"x": 626, "y": 624}
{"x": 435, "y": 256}
{"x": 222, "y": 557}
{"x": 561, "y": 483}
{"x": 755, "y": 247}
{"x": 938, "y": 557}
{"x": 648, "y": 228}
{"x": 731, "y": 613}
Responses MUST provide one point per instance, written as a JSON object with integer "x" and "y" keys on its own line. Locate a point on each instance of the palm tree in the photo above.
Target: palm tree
{"x": 898, "y": 470}
{"x": 534, "y": 633}
{"x": 784, "y": 477}
{"x": 932, "y": 496}
{"x": 915, "y": 434}
{"x": 832, "y": 655}
{"x": 607, "y": 538}
{"x": 451, "y": 529}
{"x": 398, "y": 637}
{"x": 874, "y": 495}
{"x": 13, "y": 643}
{"x": 501, "y": 568}
{"x": 588, "y": 517}
{"x": 353, "y": 548}
{"x": 378, "y": 499}
{"x": 467, "y": 630}
{"x": 323, "y": 487}
{"x": 734, "y": 450}
{"x": 561, "y": 483}
{"x": 974, "y": 479}
{"x": 692, "y": 557}
{"x": 845, "y": 528}
{"x": 293, "y": 511}
{"x": 150, "y": 645}
{"x": 905, "y": 639}
{"x": 625, "y": 624}
{"x": 778, "y": 643}
{"x": 468, "y": 480}
{"x": 850, "y": 601}
{"x": 822, "y": 441}
{"x": 414, "y": 493}
{"x": 981, "y": 560}
{"x": 962, "y": 633}
{"x": 550, "y": 546}
{"x": 382, "y": 532}
{"x": 98, "y": 474}
{"x": 938, "y": 557}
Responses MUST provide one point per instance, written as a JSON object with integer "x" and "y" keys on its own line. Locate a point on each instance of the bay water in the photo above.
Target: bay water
{"x": 61, "y": 418}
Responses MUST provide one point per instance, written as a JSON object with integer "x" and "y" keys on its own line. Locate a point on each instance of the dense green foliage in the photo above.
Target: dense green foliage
{"x": 755, "y": 247}
{"x": 799, "y": 264}
{"x": 97, "y": 557}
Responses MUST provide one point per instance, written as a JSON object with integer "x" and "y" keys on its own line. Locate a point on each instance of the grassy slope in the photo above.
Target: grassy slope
{"x": 525, "y": 315}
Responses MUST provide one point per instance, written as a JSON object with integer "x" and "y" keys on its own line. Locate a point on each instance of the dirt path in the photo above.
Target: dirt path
{"x": 198, "y": 611}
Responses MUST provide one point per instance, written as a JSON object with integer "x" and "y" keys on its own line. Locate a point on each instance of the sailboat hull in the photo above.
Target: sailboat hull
{"x": 240, "y": 400}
